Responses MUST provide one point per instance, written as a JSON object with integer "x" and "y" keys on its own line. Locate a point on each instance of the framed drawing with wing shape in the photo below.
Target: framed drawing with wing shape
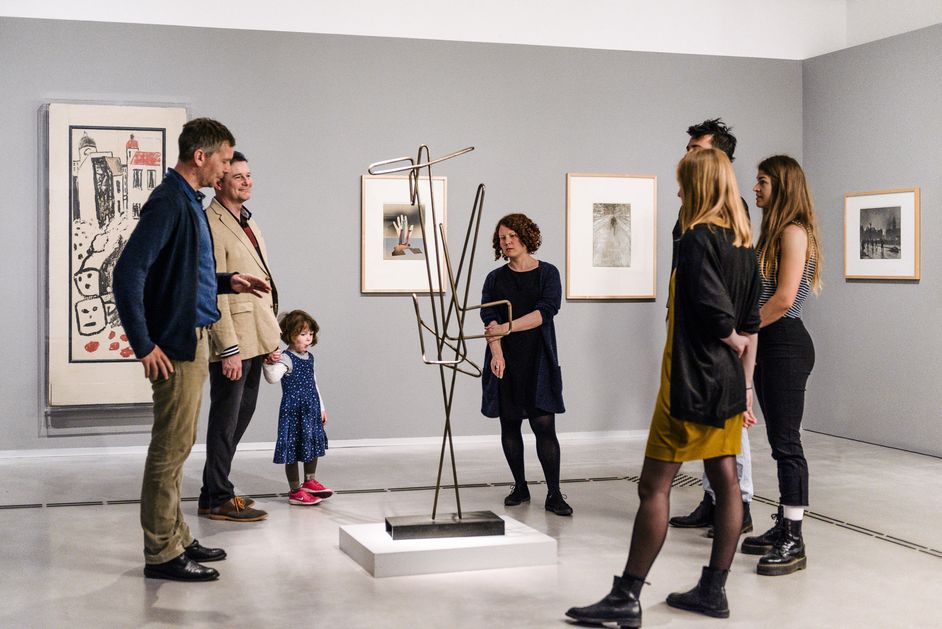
{"x": 611, "y": 247}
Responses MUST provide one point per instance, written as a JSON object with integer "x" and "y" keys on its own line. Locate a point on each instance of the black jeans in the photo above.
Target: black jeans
{"x": 783, "y": 364}
{"x": 232, "y": 404}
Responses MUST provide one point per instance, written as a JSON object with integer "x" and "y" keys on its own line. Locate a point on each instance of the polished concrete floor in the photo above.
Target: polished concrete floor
{"x": 873, "y": 535}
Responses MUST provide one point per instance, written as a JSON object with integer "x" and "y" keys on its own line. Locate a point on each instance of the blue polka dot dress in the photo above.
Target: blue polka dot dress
{"x": 301, "y": 435}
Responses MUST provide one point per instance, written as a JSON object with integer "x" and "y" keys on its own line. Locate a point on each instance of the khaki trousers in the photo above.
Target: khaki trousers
{"x": 176, "y": 410}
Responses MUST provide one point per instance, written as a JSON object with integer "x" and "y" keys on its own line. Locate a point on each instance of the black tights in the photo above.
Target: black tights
{"x": 650, "y": 527}
{"x": 547, "y": 448}
{"x": 294, "y": 478}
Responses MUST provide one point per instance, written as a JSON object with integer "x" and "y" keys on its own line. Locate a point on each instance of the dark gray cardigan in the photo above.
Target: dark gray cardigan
{"x": 549, "y": 383}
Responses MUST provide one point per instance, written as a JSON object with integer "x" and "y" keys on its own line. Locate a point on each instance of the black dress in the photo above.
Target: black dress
{"x": 522, "y": 350}
{"x": 549, "y": 380}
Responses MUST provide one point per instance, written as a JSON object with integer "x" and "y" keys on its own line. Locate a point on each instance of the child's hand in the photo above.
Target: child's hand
{"x": 323, "y": 417}
{"x": 273, "y": 358}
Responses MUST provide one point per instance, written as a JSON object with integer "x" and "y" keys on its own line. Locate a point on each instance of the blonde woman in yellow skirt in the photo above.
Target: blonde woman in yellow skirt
{"x": 705, "y": 398}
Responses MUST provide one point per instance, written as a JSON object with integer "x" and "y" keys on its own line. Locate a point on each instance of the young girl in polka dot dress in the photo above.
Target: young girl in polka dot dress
{"x": 302, "y": 416}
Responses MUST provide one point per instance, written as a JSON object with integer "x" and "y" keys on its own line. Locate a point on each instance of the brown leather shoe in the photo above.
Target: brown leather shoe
{"x": 236, "y": 510}
{"x": 249, "y": 502}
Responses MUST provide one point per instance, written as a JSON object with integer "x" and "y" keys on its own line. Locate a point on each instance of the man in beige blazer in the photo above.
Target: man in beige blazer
{"x": 246, "y": 333}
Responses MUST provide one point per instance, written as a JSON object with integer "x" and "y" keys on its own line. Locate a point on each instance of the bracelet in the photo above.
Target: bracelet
{"x": 748, "y": 388}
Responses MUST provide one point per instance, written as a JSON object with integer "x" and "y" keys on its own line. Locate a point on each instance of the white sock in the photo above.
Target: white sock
{"x": 795, "y": 514}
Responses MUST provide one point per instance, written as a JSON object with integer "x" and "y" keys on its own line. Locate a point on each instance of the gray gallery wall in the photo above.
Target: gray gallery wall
{"x": 311, "y": 111}
{"x": 872, "y": 123}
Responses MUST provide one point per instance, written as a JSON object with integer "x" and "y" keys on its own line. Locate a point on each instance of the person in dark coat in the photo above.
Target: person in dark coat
{"x": 714, "y": 133}
{"x": 705, "y": 397}
{"x": 165, "y": 288}
{"x": 521, "y": 379}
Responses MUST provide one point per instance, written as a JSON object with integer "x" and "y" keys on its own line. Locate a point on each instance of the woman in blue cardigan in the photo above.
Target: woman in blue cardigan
{"x": 522, "y": 378}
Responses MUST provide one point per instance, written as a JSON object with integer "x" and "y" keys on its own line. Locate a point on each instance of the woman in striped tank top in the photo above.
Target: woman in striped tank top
{"x": 789, "y": 260}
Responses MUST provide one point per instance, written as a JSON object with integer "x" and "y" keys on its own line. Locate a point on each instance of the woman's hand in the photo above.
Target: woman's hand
{"x": 749, "y": 419}
{"x": 323, "y": 417}
{"x": 273, "y": 358}
{"x": 738, "y": 342}
{"x": 496, "y": 329}
{"x": 497, "y": 366}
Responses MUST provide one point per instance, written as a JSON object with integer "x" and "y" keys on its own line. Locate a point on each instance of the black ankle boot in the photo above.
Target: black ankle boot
{"x": 556, "y": 502}
{"x": 708, "y": 597}
{"x": 622, "y": 605}
{"x": 699, "y": 518}
{"x": 519, "y": 493}
{"x": 746, "y": 521}
{"x": 788, "y": 554}
{"x": 746, "y": 518}
{"x": 761, "y": 544}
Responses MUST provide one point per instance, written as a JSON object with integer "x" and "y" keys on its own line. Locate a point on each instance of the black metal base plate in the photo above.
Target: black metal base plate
{"x": 470, "y": 524}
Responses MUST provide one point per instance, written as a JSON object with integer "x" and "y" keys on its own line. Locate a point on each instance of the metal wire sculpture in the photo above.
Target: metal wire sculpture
{"x": 447, "y": 324}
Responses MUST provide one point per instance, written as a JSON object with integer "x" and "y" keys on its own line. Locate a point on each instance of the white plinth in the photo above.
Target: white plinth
{"x": 380, "y": 555}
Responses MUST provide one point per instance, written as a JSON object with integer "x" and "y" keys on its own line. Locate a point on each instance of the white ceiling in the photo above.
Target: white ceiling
{"x": 781, "y": 29}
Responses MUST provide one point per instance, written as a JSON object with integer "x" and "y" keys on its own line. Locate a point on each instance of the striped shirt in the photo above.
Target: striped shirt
{"x": 770, "y": 284}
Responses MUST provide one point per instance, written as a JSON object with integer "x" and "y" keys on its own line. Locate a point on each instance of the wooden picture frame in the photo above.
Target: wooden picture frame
{"x": 611, "y": 236}
{"x": 392, "y": 247}
{"x": 881, "y": 235}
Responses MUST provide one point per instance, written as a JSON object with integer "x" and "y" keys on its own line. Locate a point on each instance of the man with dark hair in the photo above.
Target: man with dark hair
{"x": 714, "y": 133}
{"x": 207, "y": 135}
{"x": 246, "y": 333}
{"x": 165, "y": 286}
{"x": 711, "y": 133}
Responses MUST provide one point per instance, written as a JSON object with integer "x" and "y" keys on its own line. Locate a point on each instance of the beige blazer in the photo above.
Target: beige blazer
{"x": 246, "y": 321}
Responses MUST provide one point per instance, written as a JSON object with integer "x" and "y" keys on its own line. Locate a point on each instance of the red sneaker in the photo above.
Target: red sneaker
{"x": 314, "y": 488}
{"x": 302, "y": 498}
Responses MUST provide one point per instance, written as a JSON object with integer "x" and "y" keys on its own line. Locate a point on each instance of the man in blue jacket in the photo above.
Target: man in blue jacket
{"x": 165, "y": 287}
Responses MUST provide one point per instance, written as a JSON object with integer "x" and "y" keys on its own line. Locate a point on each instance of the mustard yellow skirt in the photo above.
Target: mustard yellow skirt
{"x": 675, "y": 440}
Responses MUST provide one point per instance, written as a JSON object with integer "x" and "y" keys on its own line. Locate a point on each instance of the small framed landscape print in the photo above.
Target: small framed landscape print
{"x": 881, "y": 235}
{"x": 610, "y": 236}
{"x": 393, "y": 248}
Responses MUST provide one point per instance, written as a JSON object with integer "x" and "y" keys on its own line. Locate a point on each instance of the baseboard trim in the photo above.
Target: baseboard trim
{"x": 564, "y": 437}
